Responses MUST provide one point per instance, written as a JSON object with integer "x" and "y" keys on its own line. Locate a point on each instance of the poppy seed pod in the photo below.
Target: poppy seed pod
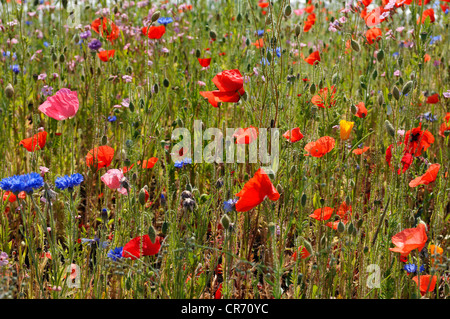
{"x": 212, "y": 34}
{"x": 9, "y": 91}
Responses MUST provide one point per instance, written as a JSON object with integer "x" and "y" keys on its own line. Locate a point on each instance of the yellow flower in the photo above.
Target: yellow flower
{"x": 346, "y": 128}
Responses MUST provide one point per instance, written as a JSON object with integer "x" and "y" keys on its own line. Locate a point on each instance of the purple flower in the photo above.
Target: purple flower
{"x": 95, "y": 44}
{"x": 47, "y": 90}
{"x": 446, "y": 94}
{"x": 86, "y": 34}
{"x": 4, "y": 259}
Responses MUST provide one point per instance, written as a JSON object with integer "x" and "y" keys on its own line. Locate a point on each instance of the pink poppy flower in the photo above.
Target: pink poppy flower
{"x": 61, "y": 106}
{"x": 112, "y": 178}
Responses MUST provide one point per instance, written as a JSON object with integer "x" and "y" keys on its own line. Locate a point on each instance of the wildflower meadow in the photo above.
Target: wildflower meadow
{"x": 224, "y": 149}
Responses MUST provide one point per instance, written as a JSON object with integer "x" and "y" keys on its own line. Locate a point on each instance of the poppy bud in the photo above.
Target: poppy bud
{"x": 165, "y": 227}
{"x": 407, "y": 87}
{"x": 142, "y": 196}
{"x": 320, "y": 84}
{"x": 76, "y": 38}
{"x": 334, "y": 78}
{"x": 341, "y": 227}
{"x": 225, "y": 221}
{"x": 166, "y": 83}
{"x": 269, "y": 56}
{"x": 400, "y": 61}
{"x": 212, "y": 34}
{"x": 280, "y": 189}
{"x": 354, "y": 109}
{"x": 359, "y": 223}
{"x": 380, "y": 98}
{"x": 303, "y": 200}
{"x": 156, "y": 88}
{"x": 104, "y": 140}
{"x": 312, "y": 88}
{"x": 297, "y": 30}
{"x": 350, "y": 228}
{"x": 239, "y": 17}
{"x": 156, "y": 15}
{"x": 152, "y": 234}
{"x": 54, "y": 57}
{"x": 131, "y": 106}
{"x": 389, "y": 128}
{"x": 247, "y": 42}
{"x": 374, "y": 74}
{"x": 197, "y": 53}
{"x": 355, "y": 45}
{"x": 396, "y": 93}
{"x": 380, "y": 55}
{"x": 288, "y": 10}
{"x": 268, "y": 20}
{"x": 9, "y": 91}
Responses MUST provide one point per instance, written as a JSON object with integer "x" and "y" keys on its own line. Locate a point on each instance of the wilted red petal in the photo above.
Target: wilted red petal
{"x": 133, "y": 248}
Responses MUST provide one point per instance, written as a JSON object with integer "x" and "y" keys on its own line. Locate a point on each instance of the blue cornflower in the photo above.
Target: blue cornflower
{"x": 19, "y": 183}
{"x": 15, "y": 68}
{"x": 180, "y": 164}
{"x": 410, "y": 268}
{"x": 46, "y": 44}
{"x": 395, "y": 54}
{"x": 95, "y": 240}
{"x": 260, "y": 33}
{"x": 115, "y": 253}
{"x": 429, "y": 117}
{"x": 112, "y": 118}
{"x": 435, "y": 39}
{"x": 264, "y": 61}
{"x": 278, "y": 52}
{"x": 229, "y": 205}
{"x": 69, "y": 181}
{"x": 165, "y": 21}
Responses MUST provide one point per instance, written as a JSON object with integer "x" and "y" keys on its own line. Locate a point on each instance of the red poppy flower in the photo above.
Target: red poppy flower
{"x": 127, "y": 169}
{"x": 362, "y": 111}
{"x": 366, "y": 3}
{"x": 359, "y": 151}
{"x": 427, "y": 283}
{"x": 255, "y": 191}
{"x": 99, "y": 157}
{"x": 231, "y": 87}
{"x": 409, "y": 239}
{"x": 141, "y": 244}
{"x": 433, "y": 99}
{"x": 406, "y": 161}
{"x": 308, "y": 25}
{"x": 218, "y": 293}
{"x": 427, "y": 178}
{"x": 12, "y": 198}
{"x": 313, "y": 58}
{"x": 263, "y": 4}
{"x": 427, "y": 13}
{"x": 417, "y": 140}
{"x": 204, "y": 62}
{"x": 322, "y": 213}
{"x": 154, "y": 32}
{"x": 373, "y": 35}
{"x": 149, "y": 163}
{"x": 320, "y": 147}
{"x": 102, "y": 27}
{"x": 304, "y": 253}
{"x": 258, "y": 43}
{"x": 445, "y": 126}
{"x": 105, "y": 55}
{"x": 293, "y": 135}
{"x": 309, "y": 9}
{"x": 246, "y": 135}
{"x": 426, "y": 58}
{"x": 322, "y": 99}
{"x": 445, "y": 7}
{"x": 37, "y": 142}
{"x": 375, "y": 17}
